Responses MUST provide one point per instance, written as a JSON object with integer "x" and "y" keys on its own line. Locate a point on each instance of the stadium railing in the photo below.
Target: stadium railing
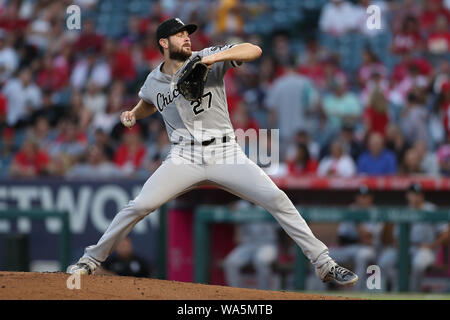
{"x": 206, "y": 215}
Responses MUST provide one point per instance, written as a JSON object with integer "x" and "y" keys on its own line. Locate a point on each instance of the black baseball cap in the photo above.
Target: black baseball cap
{"x": 173, "y": 26}
{"x": 415, "y": 187}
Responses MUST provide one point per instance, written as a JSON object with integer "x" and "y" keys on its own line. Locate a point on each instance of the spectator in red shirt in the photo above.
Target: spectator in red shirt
{"x": 89, "y": 39}
{"x": 150, "y": 52}
{"x": 370, "y": 65}
{"x": 432, "y": 9}
{"x": 232, "y": 88}
{"x": 302, "y": 163}
{"x": 376, "y": 114}
{"x": 10, "y": 18}
{"x": 240, "y": 118}
{"x": 123, "y": 67}
{"x": 439, "y": 40}
{"x": 404, "y": 9}
{"x": 420, "y": 65}
{"x": 3, "y": 105}
{"x": 409, "y": 75}
{"x": 30, "y": 161}
{"x": 130, "y": 154}
{"x": 51, "y": 76}
{"x": 312, "y": 65}
{"x": 408, "y": 38}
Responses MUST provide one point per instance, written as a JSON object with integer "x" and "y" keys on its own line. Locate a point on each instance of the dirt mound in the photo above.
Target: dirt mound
{"x": 49, "y": 286}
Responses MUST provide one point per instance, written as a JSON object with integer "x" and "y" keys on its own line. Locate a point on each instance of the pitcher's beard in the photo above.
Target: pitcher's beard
{"x": 179, "y": 55}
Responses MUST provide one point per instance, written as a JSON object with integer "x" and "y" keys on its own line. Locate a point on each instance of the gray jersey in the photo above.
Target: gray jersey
{"x": 424, "y": 232}
{"x": 185, "y": 120}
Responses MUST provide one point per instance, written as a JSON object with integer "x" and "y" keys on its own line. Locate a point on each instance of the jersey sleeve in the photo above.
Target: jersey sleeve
{"x": 144, "y": 92}
{"x": 220, "y": 68}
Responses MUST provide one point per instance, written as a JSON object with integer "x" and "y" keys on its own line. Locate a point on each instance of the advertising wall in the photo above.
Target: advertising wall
{"x": 91, "y": 206}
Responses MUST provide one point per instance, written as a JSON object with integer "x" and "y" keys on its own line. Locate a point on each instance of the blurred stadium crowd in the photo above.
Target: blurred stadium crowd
{"x": 348, "y": 100}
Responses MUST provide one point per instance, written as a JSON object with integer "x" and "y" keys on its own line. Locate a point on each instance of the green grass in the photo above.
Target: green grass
{"x": 387, "y": 296}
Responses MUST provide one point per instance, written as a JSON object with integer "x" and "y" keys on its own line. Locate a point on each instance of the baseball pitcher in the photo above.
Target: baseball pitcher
{"x": 187, "y": 88}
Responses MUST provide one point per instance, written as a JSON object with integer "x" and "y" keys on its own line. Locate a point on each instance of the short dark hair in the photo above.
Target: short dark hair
{"x": 305, "y": 150}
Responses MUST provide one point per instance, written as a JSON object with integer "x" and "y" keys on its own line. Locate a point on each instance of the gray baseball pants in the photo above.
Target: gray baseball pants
{"x": 222, "y": 164}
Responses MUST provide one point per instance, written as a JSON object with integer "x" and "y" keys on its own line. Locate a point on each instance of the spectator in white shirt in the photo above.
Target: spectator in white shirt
{"x": 9, "y": 59}
{"x": 39, "y": 31}
{"x": 429, "y": 163}
{"x": 107, "y": 120}
{"x": 337, "y": 18}
{"x": 23, "y": 97}
{"x": 91, "y": 69}
{"x": 414, "y": 118}
{"x": 94, "y": 99}
{"x": 290, "y": 100}
{"x": 337, "y": 164}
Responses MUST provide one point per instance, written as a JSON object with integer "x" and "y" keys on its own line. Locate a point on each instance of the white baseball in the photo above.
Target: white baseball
{"x": 129, "y": 123}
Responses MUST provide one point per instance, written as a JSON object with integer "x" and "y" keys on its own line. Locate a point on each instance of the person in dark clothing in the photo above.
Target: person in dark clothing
{"x": 349, "y": 142}
{"x": 124, "y": 262}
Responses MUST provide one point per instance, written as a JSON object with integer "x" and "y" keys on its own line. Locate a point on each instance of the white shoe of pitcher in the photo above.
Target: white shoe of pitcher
{"x": 340, "y": 275}
{"x": 84, "y": 267}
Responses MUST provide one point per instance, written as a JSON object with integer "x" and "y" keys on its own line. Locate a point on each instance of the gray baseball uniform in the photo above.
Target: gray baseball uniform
{"x": 361, "y": 255}
{"x": 191, "y": 163}
{"x": 421, "y": 257}
{"x": 257, "y": 245}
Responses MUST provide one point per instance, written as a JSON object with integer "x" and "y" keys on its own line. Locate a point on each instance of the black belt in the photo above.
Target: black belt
{"x": 225, "y": 139}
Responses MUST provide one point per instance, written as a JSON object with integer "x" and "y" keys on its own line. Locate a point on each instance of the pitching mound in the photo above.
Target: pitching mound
{"x": 49, "y": 286}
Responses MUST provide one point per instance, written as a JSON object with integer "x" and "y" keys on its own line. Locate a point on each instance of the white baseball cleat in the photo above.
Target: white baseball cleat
{"x": 340, "y": 275}
{"x": 83, "y": 267}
